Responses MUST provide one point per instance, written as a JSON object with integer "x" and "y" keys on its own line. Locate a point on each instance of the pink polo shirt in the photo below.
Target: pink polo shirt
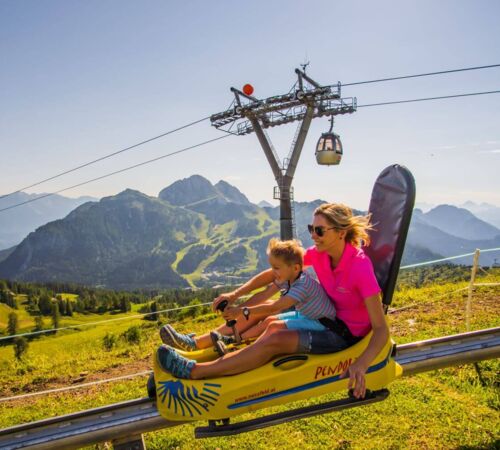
{"x": 348, "y": 285}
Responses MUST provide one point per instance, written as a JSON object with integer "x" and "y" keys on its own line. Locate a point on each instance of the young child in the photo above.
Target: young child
{"x": 300, "y": 291}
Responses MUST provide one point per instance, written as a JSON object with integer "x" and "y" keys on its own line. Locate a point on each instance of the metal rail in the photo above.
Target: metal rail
{"x": 126, "y": 421}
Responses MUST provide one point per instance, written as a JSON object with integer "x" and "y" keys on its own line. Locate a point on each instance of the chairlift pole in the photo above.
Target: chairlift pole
{"x": 307, "y": 101}
{"x": 284, "y": 175}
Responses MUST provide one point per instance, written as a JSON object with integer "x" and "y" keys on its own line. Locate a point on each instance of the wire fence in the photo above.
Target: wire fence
{"x": 449, "y": 258}
{"x": 71, "y": 388}
{"x": 142, "y": 315}
{"x": 143, "y": 373}
{"x": 101, "y": 322}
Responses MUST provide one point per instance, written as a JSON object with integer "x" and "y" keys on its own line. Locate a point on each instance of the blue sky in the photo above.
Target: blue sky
{"x": 81, "y": 79}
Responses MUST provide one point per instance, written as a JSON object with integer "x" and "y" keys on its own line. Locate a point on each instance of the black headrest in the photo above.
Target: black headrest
{"x": 391, "y": 207}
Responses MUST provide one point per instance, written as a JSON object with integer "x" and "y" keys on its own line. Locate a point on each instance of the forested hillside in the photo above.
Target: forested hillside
{"x": 196, "y": 234}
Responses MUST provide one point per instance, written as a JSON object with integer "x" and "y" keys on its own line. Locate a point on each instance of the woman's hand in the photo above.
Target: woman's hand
{"x": 231, "y": 312}
{"x": 356, "y": 372}
{"x": 380, "y": 336}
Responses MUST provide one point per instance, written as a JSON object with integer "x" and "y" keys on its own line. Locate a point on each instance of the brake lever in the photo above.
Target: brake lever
{"x": 230, "y": 323}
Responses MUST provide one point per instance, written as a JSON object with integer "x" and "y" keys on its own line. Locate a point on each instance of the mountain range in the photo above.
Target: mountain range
{"x": 484, "y": 211}
{"x": 16, "y": 223}
{"x": 197, "y": 234}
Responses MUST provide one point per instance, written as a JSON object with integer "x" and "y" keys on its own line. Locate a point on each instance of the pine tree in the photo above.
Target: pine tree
{"x": 20, "y": 347}
{"x": 56, "y": 316}
{"x": 38, "y": 323}
{"x": 69, "y": 308}
{"x": 45, "y": 304}
{"x": 8, "y": 298}
{"x": 154, "y": 308}
{"x": 125, "y": 304}
{"x": 61, "y": 304}
{"x": 13, "y": 324}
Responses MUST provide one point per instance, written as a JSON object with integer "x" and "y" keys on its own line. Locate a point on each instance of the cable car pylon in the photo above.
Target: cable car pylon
{"x": 306, "y": 100}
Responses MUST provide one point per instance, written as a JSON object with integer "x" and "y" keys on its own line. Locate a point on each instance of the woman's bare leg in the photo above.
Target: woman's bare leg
{"x": 281, "y": 342}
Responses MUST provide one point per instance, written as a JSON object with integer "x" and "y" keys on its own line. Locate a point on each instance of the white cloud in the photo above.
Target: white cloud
{"x": 497, "y": 150}
{"x": 446, "y": 147}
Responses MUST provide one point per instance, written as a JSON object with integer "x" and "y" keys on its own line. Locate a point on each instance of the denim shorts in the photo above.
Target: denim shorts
{"x": 294, "y": 320}
{"x": 320, "y": 342}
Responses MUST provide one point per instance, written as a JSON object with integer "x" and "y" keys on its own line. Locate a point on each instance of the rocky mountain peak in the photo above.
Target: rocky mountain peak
{"x": 188, "y": 190}
{"x": 460, "y": 222}
{"x": 231, "y": 193}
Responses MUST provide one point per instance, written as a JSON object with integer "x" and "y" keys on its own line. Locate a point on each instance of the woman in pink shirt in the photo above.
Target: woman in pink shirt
{"x": 347, "y": 276}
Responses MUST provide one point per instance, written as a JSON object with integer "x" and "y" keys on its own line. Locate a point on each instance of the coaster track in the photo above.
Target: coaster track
{"x": 125, "y": 422}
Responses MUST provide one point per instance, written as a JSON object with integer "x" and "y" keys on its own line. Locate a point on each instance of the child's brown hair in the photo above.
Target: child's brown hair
{"x": 291, "y": 252}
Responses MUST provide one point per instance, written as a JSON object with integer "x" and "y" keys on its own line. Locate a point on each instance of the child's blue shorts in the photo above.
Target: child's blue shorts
{"x": 294, "y": 320}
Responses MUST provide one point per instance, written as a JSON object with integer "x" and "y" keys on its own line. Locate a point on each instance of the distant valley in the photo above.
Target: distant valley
{"x": 17, "y": 223}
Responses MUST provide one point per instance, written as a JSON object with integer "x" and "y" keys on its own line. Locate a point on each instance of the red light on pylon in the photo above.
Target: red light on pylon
{"x": 248, "y": 89}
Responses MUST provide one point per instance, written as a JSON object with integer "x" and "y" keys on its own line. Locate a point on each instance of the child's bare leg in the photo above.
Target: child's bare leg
{"x": 274, "y": 326}
{"x": 242, "y": 325}
{"x": 258, "y": 329}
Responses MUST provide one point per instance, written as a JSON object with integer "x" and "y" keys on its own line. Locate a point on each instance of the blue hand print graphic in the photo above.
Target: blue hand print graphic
{"x": 187, "y": 400}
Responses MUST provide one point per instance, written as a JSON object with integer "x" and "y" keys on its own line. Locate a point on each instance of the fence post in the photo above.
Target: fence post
{"x": 471, "y": 287}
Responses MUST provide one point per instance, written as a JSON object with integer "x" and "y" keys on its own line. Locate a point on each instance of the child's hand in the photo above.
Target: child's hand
{"x": 356, "y": 372}
{"x": 231, "y": 312}
{"x": 229, "y": 296}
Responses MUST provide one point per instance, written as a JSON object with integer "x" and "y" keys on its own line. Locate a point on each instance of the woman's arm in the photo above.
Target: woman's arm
{"x": 380, "y": 335}
{"x": 258, "y": 281}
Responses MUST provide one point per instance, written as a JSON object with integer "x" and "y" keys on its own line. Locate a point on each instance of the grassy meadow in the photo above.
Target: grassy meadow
{"x": 455, "y": 408}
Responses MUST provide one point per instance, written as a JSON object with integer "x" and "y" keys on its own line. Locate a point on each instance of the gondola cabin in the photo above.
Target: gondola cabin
{"x": 329, "y": 149}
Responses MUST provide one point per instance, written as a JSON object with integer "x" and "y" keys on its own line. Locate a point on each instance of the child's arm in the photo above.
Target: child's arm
{"x": 261, "y": 296}
{"x": 258, "y": 281}
{"x": 266, "y": 309}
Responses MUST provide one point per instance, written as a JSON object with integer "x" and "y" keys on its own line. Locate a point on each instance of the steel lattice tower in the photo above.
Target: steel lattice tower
{"x": 305, "y": 101}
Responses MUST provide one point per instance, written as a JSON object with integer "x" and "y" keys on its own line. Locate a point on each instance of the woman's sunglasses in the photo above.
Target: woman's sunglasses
{"x": 320, "y": 231}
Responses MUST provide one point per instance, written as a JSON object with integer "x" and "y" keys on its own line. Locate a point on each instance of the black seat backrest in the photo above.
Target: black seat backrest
{"x": 391, "y": 207}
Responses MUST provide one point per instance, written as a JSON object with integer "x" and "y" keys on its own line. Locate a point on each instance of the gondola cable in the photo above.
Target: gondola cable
{"x": 102, "y": 158}
{"x": 442, "y": 72}
{"x": 429, "y": 98}
{"x": 228, "y": 135}
{"x": 115, "y": 172}
{"x": 228, "y": 131}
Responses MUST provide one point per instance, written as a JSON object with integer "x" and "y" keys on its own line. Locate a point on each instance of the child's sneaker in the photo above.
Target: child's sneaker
{"x": 216, "y": 336}
{"x": 221, "y": 348}
{"x": 220, "y": 341}
{"x": 170, "y": 361}
{"x": 177, "y": 340}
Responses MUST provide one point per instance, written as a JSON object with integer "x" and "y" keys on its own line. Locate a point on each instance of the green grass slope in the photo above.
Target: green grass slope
{"x": 448, "y": 409}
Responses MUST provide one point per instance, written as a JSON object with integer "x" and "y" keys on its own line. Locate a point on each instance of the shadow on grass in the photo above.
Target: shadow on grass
{"x": 490, "y": 445}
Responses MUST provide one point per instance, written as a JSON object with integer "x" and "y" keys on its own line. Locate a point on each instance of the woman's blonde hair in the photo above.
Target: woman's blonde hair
{"x": 341, "y": 217}
{"x": 291, "y": 252}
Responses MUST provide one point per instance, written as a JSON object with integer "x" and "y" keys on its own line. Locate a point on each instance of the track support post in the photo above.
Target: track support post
{"x": 135, "y": 442}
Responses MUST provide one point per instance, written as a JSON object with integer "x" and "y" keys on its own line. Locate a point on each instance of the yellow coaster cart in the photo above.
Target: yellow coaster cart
{"x": 301, "y": 376}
